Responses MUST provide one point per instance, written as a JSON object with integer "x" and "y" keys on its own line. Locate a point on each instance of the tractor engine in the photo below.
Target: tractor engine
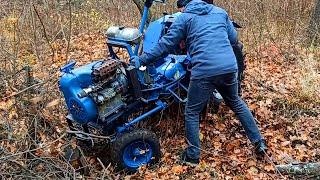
{"x": 94, "y": 91}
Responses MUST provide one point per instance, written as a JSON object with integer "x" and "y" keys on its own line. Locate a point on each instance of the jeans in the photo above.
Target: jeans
{"x": 200, "y": 90}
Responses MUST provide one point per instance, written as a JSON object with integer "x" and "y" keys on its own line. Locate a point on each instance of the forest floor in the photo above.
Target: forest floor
{"x": 285, "y": 103}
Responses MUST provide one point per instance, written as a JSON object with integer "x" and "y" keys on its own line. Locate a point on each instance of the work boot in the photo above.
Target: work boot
{"x": 260, "y": 148}
{"x": 185, "y": 160}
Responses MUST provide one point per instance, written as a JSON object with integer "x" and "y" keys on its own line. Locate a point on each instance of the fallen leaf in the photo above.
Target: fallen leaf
{"x": 251, "y": 163}
{"x": 177, "y": 169}
{"x": 53, "y": 103}
{"x": 36, "y": 100}
{"x": 254, "y": 170}
{"x": 269, "y": 168}
{"x": 6, "y": 105}
{"x": 285, "y": 143}
{"x": 201, "y": 136}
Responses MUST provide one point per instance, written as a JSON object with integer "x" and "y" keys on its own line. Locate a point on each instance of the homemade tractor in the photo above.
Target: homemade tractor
{"x": 108, "y": 97}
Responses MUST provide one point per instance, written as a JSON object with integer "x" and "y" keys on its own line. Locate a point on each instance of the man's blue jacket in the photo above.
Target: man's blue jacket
{"x": 208, "y": 33}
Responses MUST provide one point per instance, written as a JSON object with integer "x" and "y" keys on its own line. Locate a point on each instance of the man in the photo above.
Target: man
{"x": 209, "y": 36}
{"x": 181, "y": 5}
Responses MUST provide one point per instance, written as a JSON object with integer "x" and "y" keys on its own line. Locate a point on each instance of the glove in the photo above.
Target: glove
{"x": 135, "y": 60}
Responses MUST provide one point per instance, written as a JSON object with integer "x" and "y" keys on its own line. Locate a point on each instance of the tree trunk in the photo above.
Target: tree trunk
{"x": 300, "y": 169}
{"x": 314, "y": 27}
{"x": 140, "y": 6}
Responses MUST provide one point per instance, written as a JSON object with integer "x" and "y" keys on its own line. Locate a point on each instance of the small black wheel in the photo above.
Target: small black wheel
{"x": 134, "y": 149}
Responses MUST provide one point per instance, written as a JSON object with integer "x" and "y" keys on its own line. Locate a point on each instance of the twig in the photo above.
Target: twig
{"x": 17, "y": 175}
{"x": 270, "y": 160}
{"x": 104, "y": 169}
{"x": 47, "y": 162}
{"x": 262, "y": 84}
{"x": 26, "y": 89}
{"x": 30, "y": 87}
{"x": 87, "y": 134}
{"x": 34, "y": 29}
{"x": 32, "y": 150}
{"x": 208, "y": 152}
{"x": 101, "y": 164}
{"x": 44, "y": 31}
{"x": 70, "y": 30}
{"x": 118, "y": 12}
{"x": 24, "y": 168}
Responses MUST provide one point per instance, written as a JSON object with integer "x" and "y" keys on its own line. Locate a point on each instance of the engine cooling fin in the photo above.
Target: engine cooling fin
{"x": 106, "y": 71}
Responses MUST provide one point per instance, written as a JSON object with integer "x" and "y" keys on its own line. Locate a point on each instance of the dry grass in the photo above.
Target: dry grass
{"x": 310, "y": 77}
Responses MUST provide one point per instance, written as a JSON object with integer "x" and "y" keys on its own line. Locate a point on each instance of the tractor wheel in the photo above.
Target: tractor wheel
{"x": 134, "y": 149}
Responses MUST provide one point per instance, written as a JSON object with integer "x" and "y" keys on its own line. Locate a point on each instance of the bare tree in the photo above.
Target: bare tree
{"x": 314, "y": 27}
{"x": 140, "y": 6}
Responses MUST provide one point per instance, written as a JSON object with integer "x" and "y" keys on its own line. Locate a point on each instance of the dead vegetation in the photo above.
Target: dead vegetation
{"x": 281, "y": 88}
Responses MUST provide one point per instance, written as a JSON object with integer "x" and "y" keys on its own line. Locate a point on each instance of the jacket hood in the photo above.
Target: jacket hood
{"x": 198, "y": 7}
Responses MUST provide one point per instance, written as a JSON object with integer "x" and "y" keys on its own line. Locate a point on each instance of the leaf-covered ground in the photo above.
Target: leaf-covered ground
{"x": 288, "y": 119}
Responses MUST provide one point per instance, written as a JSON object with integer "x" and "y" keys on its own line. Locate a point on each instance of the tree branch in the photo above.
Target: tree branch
{"x": 140, "y": 6}
{"x": 44, "y": 31}
{"x": 70, "y": 30}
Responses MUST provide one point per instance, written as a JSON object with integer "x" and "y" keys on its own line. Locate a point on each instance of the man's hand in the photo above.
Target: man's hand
{"x": 135, "y": 60}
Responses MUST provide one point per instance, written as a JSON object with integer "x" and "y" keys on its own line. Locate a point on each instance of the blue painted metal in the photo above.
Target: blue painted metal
{"x": 173, "y": 67}
{"x": 154, "y": 31}
{"x": 141, "y": 27}
{"x": 144, "y": 18}
{"x": 181, "y": 87}
{"x": 68, "y": 67}
{"x": 159, "y": 80}
{"x": 71, "y": 84}
{"x": 166, "y": 72}
{"x": 137, "y": 154}
{"x": 120, "y": 43}
{"x": 160, "y": 106}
